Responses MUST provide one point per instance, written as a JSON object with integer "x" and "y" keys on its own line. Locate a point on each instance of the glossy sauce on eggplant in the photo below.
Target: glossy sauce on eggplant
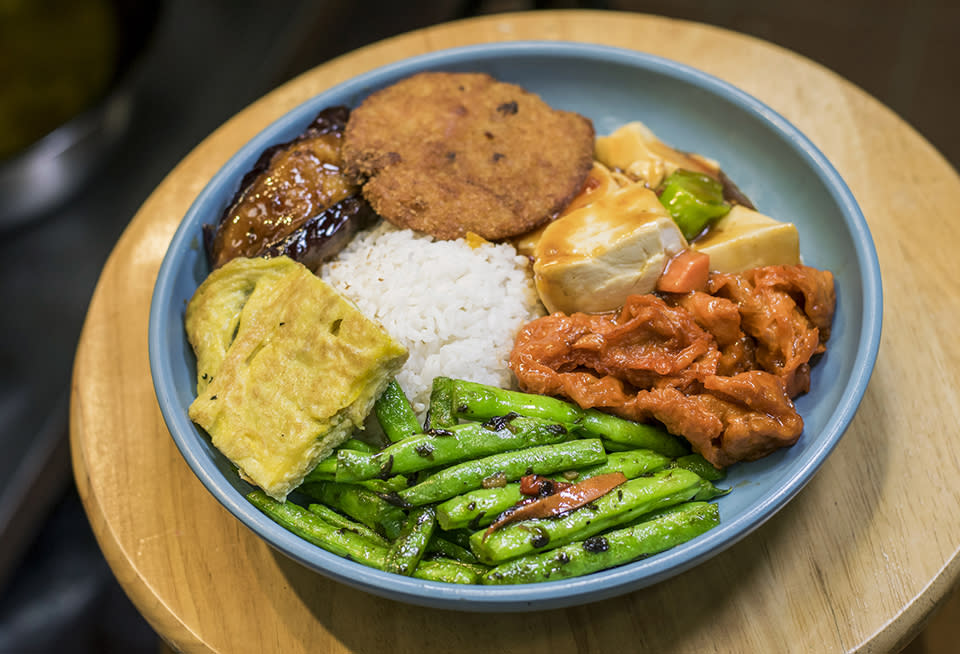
{"x": 296, "y": 200}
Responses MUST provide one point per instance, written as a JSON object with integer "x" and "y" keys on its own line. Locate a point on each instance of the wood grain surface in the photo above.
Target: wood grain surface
{"x": 855, "y": 563}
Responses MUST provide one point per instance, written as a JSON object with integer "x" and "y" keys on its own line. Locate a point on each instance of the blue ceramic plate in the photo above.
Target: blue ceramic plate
{"x": 784, "y": 174}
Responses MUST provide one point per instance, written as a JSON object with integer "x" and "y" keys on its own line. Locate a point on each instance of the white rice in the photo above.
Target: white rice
{"x": 456, "y": 308}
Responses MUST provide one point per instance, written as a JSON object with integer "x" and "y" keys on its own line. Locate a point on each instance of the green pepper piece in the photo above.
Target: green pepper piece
{"x": 694, "y": 200}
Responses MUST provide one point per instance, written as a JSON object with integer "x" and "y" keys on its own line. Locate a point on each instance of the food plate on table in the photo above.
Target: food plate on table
{"x": 772, "y": 163}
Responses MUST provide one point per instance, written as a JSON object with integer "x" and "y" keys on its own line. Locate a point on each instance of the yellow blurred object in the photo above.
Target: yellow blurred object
{"x": 745, "y": 239}
{"x": 57, "y": 58}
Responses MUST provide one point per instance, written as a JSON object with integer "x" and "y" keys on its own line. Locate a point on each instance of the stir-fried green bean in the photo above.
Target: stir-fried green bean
{"x": 448, "y": 571}
{"x": 449, "y": 549}
{"x": 332, "y": 517}
{"x": 327, "y": 467}
{"x": 411, "y": 543}
{"x": 476, "y": 401}
{"x": 363, "y": 505}
{"x": 346, "y": 543}
{"x": 501, "y": 468}
{"x": 456, "y": 444}
{"x": 419, "y": 506}
{"x": 394, "y": 413}
{"x": 481, "y": 507}
{"x": 708, "y": 491}
{"x": 701, "y": 466}
{"x": 440, "y": 413}
{"x": 627, "y": 502}
{"x": 481, "y": 402}
{"x": 660, "y": 533}
{"x": 477, "y": 508}
{"x": 634, "y": 434}
{"x": 318, "y": 531}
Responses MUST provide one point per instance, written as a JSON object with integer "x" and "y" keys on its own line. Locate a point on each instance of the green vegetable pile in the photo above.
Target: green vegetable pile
{"x": 421, "y": 506}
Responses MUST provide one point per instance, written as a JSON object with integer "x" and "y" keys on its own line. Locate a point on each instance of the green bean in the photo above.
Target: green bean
{"x": 701, "y": 466}
{"x": 459, "y": 537}
{"x": 709, "y": 492}
{"x": 458, "y": 443}
{"x": 479, "y": 568}
{"x": 631, "y": 463}
{"x": 356, "y": 444}
{"x": 327, "y": 467}
{"x": 391, "y": 485}
{"x": 620, "y": 506}
{"x": 481, "y": 402}
{"x": 479, "y": 508}
{"x": 363, "y": 505}
{"x": 613, "y": 446}
{"x": 662, "y": 532}
{"x": 314, "y": 529}
{"x": 440, "y": 413}
{"x": 502, "y": 468}
{"x": 394, "y": 413}
{"x": 411, "y": 543}
{"x": 332, "y": 517}
{"x": 448, "y": 571}
{"x": 348, "y": 544}
{"x": 449, "y": 549}
{"x": 634, "y": 434}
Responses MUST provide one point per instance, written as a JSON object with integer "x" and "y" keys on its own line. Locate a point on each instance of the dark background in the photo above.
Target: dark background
{"x": 206, "y": 60}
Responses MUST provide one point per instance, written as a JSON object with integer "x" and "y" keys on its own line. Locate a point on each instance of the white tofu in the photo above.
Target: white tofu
{"x": 592, "y": 258}
{"x": 636, "y": 151}
{"x": 745, "y": 239}
{"x": 600, "y": 181}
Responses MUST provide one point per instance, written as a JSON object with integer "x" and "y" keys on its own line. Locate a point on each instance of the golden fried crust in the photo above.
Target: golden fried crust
{"x": 448, "y": 153}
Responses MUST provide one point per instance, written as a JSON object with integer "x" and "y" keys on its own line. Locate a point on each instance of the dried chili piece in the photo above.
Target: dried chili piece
{"x": 572, "y": 497}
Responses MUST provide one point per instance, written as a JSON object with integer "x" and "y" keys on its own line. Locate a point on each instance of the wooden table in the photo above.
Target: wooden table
{"x": 856, "y": 563}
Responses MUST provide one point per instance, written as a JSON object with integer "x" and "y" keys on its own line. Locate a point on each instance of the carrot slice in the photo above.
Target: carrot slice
{"x": 687, "y": 271}
{"x": 566, "y": 499}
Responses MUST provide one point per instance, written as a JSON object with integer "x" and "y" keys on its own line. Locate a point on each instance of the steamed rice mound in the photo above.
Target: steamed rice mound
{"x": 455, "y": 307}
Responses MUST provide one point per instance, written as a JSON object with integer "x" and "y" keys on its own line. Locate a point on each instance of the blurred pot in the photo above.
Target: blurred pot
{"x": 47, "y": 172}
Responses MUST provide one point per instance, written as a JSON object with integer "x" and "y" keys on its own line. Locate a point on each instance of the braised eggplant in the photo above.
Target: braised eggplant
{"x": 296, "y": 200}
{"x": 324, "y": 235}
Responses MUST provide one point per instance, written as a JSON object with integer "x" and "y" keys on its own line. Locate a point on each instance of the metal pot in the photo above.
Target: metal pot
{"x": 47, "y": 172}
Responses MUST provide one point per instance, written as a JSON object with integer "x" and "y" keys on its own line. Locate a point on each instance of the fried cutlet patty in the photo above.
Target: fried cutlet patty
{"x": 451, "y": 153}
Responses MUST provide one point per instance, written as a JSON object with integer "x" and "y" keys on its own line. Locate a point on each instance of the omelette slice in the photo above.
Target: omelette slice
{"x": 287, "y": 368}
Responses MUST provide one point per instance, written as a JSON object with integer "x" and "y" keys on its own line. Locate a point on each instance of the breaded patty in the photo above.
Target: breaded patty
{"x": 448, "y": 153}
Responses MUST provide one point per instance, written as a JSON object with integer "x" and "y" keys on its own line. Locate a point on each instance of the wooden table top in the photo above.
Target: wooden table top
{"x": 855, "y": 563}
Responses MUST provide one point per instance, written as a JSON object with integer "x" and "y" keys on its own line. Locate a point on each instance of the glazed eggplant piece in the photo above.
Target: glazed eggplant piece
{"x": 296, "y": 200}
{"x": 324, "y": 235}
